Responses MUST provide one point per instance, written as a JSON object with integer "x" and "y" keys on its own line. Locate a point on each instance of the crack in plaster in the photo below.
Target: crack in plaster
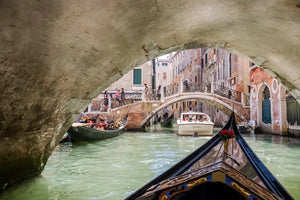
{"x": 156, "y": 5}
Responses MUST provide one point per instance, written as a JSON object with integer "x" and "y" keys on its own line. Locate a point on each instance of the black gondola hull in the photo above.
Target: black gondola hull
{"x": 86, "y": 133}
{"x": 83, "y": 133}
{"x": 168, "y": 122}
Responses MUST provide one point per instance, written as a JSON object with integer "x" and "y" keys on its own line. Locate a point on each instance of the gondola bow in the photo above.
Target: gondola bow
{"x": 225, "y": 167}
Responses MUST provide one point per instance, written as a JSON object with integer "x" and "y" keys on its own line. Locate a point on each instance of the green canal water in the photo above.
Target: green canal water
{"x": 114, "y": 168}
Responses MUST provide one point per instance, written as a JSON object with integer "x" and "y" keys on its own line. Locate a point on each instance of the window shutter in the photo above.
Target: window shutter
{"x": 137, "y": 76}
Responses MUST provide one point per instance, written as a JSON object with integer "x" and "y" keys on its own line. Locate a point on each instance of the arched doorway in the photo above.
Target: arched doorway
{"x": 293, "y": 115}
{"x": 266, "y": 107}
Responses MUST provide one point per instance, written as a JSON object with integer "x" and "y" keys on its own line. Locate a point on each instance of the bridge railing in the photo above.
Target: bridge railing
{"x": 97, "y": 104}
{"x": 230, "y": 93}
{"x": 216, "y": 88}
{"x": 194, "y": 87}
{"x": 171, "y": 89}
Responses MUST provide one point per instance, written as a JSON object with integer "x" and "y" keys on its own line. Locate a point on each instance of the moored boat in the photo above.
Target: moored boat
{"x": 81, "y": 132}
{"x": 195, "y": 124}
{"x": 225, "y": 167}
{"x": 168, "y": 122}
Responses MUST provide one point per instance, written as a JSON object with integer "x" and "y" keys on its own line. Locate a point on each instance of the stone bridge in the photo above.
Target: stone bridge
{"x": 140, "y": 113}
{"x": 56, "y": 56}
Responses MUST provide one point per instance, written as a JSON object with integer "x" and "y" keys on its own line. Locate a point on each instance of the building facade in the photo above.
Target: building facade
{"x": 135, "y": 79}
{"x": 272, "y": 106}
{"x": 212, "y": 70}
{"x": 163, "y": 71}
{"x": 133, "y": 84}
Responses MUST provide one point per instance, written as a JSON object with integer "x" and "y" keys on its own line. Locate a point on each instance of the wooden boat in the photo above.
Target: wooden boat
{"x": 156, "y": 119}
{"x": 225, "y": 167}
{"x": 195, "y": 124}
{"x": 79, "y": 132}
{"x": 168, "y": 122}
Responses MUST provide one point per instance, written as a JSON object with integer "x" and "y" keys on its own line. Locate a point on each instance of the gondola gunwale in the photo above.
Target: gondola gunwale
{"x": 187, "y": 162}
{"x": 268, "y": 178}
{"x": 182, "y": 166}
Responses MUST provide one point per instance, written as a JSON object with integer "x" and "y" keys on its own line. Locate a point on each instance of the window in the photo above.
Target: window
{"x": 137, "y": 76}
{"x": 266, "y": 107}
{"x": 164, "y": 75}
{"x": 266, "y": 93}
{"x": 164, "y": 64}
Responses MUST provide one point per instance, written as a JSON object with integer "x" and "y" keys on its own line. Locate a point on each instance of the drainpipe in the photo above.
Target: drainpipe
{"x": 162, "y": 96}
{"x": 153, "y": 75}
{"x": 212, "y": 88}
{"x": 181, "y": 86}
{"x": 243, "y": 100}
{"x": 143, "y": 94}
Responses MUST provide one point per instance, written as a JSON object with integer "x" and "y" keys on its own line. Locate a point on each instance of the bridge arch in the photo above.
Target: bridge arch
{"x": 205, "y": 98}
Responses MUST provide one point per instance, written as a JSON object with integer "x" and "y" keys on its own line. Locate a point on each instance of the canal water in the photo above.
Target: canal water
{"x": 114, "y": 168}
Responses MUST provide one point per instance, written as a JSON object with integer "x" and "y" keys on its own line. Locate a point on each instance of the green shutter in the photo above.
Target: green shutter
{"x": 137, "y": 76}
{"x": 153, "y": 82}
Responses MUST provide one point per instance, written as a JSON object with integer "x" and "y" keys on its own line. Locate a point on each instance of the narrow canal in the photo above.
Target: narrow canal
{"x": 114, "y": 168}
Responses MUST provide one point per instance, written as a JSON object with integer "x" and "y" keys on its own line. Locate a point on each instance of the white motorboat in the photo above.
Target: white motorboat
{"x": 195, "y": 124}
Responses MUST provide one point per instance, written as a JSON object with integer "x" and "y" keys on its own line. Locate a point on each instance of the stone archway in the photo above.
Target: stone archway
{"x": 56, "y": 56}
{"x": 264, "y": 117}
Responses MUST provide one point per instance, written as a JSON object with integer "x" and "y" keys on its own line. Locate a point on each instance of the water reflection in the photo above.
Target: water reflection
{"x": 275, "y": 139}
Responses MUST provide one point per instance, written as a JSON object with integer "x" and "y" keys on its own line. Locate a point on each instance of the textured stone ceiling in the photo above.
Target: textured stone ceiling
{"x": 55, "y": 56}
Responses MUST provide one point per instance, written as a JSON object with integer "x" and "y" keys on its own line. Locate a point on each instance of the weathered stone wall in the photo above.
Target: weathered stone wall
{"x": 51, "y": 52}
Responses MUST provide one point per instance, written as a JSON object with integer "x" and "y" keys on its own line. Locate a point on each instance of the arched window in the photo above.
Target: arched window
{"x": 266, "y": 93}
{"x": 266, "y": 106}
